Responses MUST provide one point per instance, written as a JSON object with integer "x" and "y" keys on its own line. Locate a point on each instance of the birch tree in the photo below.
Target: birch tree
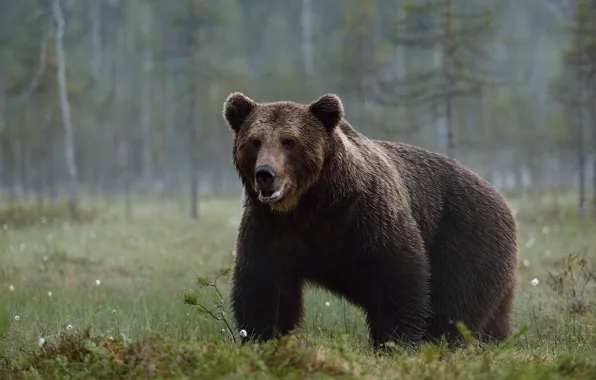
{"x": 69, "y": 148}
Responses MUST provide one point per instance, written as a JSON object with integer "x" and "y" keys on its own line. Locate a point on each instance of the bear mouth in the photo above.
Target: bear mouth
{"x": 269, "y": 196}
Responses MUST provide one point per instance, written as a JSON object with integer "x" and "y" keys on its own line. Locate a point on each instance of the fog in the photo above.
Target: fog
{"x": 113, "y": 97}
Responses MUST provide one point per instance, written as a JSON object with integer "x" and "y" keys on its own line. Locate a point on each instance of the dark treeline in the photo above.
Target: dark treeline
{"x": 115, "y": 96}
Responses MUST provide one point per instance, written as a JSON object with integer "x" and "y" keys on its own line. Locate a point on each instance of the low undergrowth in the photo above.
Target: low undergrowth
{"x": 106, "y": 297}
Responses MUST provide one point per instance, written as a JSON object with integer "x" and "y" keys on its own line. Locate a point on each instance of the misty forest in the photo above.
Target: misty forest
{"x": 119, "y": 202}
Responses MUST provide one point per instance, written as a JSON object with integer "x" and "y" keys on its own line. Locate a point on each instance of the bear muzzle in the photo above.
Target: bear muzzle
{"x": 266, "y": 184}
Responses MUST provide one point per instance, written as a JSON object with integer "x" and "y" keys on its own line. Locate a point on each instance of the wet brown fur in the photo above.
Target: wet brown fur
{"x": 412, "y": 237}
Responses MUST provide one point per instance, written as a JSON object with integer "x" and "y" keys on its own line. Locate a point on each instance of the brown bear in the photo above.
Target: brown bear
{"x": 412, "y": 237}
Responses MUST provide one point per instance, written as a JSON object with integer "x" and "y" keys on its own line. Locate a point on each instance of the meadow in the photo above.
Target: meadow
{"x": 102, "y": 297}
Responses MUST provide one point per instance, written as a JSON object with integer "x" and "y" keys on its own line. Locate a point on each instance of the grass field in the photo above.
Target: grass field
{"x": 102, "y": 298}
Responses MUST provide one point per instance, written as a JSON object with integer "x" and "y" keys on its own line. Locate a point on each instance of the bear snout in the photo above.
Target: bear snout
{"x": 266, "y": 183}
{"x": 265, "y": 177}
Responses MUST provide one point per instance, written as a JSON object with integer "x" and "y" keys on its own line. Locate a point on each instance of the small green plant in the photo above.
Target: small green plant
{"x": 466, "y": 333}
{"x": 218, "y": 311}
{"x": 572, "y": 282}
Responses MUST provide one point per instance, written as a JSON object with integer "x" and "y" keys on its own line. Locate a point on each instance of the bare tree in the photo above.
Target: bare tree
{"x": 193, "y": 141}
{"x": 96, "y": 38}
{"x": 69, "y": 149}
{"x": 146, "y": 111}
{"x": 307, "y": 46}
{"x": 581, "y": 149}
{"x": 6, "y": 148}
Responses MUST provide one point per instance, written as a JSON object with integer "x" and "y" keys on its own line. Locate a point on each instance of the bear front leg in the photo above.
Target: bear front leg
{"x": 266, "y": 302}
{"x": 398, "y": 304}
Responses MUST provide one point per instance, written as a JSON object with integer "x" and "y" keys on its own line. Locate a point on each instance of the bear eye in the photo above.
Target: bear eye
{"x": 288, "y": 144}
{"x": 256, "y": 143}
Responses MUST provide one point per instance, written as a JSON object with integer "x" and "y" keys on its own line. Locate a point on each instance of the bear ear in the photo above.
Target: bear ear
{"x": 328, "y": 109}
{"x": 236, "y": 109}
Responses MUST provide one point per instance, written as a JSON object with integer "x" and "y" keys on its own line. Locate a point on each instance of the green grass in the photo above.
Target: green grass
{"x": 135, "y": 324}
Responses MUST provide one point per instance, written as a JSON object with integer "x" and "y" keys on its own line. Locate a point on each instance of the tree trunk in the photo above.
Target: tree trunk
{"x": 489, "y": 152}
{"x": 146, "y": 110}
{"x": 69, "y": 150}
{"x": 307, "y": 48}
{"x": 192, "y": 136}
{"x": 23, "y": 162}
{"x": 447, "y": 52}
{"x": 400, "y": 67}
{"x": 441, "y": 122}
{"x": 96, "y": 41}
{"x": 593, "y": 113}
{"x": 581, "y": 154}
{"x": 124, "y": 169}
{"x": 95, "y": 16}
{"x": 581, "y": 163}
{"x": 50, "y": 173}
{"x": 170, "y": 121}
{"x": 41, "y": 159}
{"x": 6, "y": 148}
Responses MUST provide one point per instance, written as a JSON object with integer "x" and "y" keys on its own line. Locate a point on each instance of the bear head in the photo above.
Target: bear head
{"x": 280, "y": 148}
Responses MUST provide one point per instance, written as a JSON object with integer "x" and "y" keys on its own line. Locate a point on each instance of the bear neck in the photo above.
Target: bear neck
{"x": 344, "y": 173}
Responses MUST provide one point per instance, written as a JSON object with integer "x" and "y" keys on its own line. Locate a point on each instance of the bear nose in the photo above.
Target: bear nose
{"x": 264, "y": 175}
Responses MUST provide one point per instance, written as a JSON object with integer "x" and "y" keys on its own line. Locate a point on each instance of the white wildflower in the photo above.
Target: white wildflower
{"x": 16, "y": 317}
{"x": 97, "y": 282}
{"x": 526, "y": 263}
{"x": 113, "y": 311}
{"x": 11, "y": 288}
{"x": 327, "y": 303}
{"x": 69, "y": 327}
{"x": 545, "y": 230}
{"x": 535, "y": 282}
{"x": 41, "y": 341}
{"x": 243, "y": 333}
{"x": 49, "y": 294}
